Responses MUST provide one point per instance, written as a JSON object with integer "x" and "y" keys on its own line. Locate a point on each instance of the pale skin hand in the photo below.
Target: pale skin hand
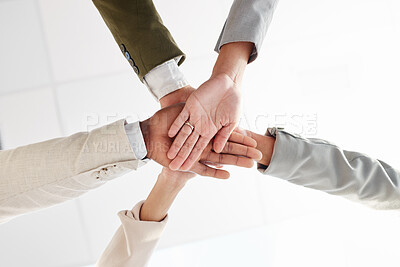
{"x": 163, "y": 194}
{"x": 239, "y": 151}
{"x": 213, "y": 109}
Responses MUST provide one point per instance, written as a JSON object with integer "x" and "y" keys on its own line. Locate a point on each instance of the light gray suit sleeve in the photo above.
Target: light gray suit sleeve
{"x": 321, "y": 165}
{"x": 248, "y": 21}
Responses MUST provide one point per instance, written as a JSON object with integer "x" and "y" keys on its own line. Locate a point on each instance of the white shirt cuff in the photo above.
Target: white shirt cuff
{"x": 165, "y": 79}
{"x": 136, "y": 139}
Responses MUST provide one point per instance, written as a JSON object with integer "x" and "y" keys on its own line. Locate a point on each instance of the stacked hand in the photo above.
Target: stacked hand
{"x": 239, "y": 150}
{"x": 211, "y": 111}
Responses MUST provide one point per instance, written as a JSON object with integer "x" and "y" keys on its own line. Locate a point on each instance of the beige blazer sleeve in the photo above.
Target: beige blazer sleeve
{"x": 134, "y": 242}
{"x": 40, "y": 175}
{"x": 322, "y": 165}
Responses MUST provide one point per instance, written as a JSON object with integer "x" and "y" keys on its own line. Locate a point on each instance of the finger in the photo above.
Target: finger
{"x": 243, "y": 132}
{"x": 196, "y": 152}
{"x": 241, "y": 150}
{"x": 222, "y": 137}
{"x": 184, "y": 152}
{"x": 242, "y": 139}
{"x": 213, "y": 164}
{"x": 178, "y": 123}
{"x": 228, "y": 159}
{"x": 205, "y": 170}
{"x": 239, "y": 130}
{"x": 179, "y": 141}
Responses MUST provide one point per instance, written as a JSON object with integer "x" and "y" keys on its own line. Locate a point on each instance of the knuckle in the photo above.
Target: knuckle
{"x": 196, "y": 149}
{"x": 220, "y": 158}
{"x": 211, "y": 156}
{"x": 243, "y": 139}
{"x": 181, "y": 158}
{"x": 193, "y": 157}
{"x": 187, "y": 146}
{"x": 207, "y": 155}
{"x": 186, "y": 130}
{"x": 205, "y": 169}
{"x": 229, "y": 147}
{"x": 176, "y": 146}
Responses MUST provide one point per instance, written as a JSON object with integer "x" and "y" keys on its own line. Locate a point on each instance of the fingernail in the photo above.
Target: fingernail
{"x": 170, "y": 155}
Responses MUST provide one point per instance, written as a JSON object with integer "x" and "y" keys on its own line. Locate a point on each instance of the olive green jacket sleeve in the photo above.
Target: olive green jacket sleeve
{"x": 140, "y": 33}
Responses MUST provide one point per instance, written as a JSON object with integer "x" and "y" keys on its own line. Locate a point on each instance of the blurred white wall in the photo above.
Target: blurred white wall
{"x": 328, "y": 69}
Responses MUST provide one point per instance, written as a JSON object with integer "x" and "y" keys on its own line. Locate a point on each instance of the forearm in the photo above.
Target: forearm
{"x": 160, "y": 199}
{"x": 136, "y": 239}
{"x": 266, "y": 145}
{"x": 232, "y": 60}
{"x": 140, "y": 33}
{"x": 44, "y": 174}
{"x": 321, "y": 165}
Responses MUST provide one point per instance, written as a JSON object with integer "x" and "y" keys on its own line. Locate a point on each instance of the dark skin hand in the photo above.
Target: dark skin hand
{"x": 178, "y": 96}
{"x": 265, "y": 144}
{"x": 239, "y": 150}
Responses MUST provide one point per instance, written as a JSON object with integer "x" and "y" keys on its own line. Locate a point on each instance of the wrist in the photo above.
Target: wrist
{"x": 145, "y": 129}
{"x": 232, "y": 60}
{"x": 160, "y": 199}
{"x": 171, "y": 184}
{"x": 266, "y": 145}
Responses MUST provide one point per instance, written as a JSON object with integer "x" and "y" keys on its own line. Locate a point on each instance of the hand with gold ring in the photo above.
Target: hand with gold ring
{"x": 213, "y": 109}
{"x": 190, "y": 125}
{"x": 240, "y": 150}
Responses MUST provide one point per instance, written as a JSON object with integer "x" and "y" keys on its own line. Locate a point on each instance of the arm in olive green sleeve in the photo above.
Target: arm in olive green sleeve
{"x": 140, "y": 33}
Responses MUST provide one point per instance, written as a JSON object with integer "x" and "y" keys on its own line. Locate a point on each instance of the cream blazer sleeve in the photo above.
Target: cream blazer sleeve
{"x": 134, "y": 242}
{"x": 321, "y": 165}
{"x": 40, "y": 175}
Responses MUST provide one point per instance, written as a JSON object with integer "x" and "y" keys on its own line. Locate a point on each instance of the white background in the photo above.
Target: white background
{"x": 336, "y": 62}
